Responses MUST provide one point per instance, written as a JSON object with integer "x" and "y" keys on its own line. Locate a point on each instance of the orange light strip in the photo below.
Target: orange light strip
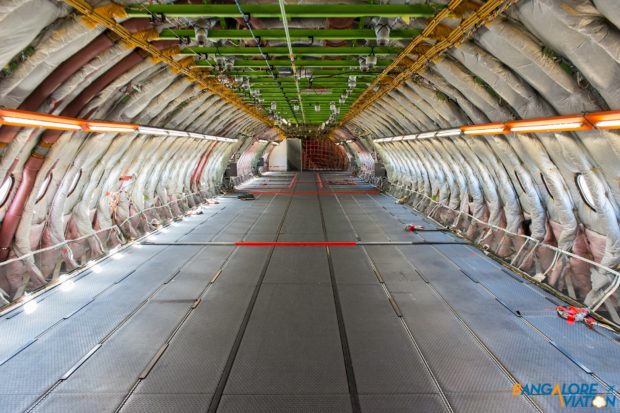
{"x": 553, "y": 124}
{"x": 27, "y": 119}
{"x": 112, "y": 127}
{"x": 604, "y": 120}
{"x": 569, "y": 123}
{"x": 484, "y": 129}
{"x": 38, "y": 120}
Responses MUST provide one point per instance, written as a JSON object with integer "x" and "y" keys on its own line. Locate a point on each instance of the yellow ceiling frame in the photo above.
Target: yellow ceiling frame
{"x": 105, "y": 16}
{"x": 384, "y": 83}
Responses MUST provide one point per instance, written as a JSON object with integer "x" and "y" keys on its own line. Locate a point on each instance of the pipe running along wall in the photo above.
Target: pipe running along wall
{"x": 561, "y": 189}
{"x": 67, "y": 187}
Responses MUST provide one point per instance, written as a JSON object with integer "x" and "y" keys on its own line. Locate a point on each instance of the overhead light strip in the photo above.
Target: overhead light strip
{"x": 608, "y": 124}
{"x": 590, "y": 121}
{"x": 34, "y": 123}
{"x": 553, "y": 127}
{"x": 28, "y": 119}
{"x": 485, "y": 131}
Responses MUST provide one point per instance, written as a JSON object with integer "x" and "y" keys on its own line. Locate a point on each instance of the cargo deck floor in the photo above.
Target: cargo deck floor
{"x": 435, "y": 326}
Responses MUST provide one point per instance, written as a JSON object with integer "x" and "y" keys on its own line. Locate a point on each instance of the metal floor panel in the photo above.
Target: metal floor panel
{"x": 196, "y": 355}
{"x": 351, "y": 267}
{"x": 579, "y": 341}
{"x": 298, "y": 264}
{"x": 301, "y": 222}
{"x": 521, "y": 349}
{"x": 208, "y": 260}
{"x": 291, "y": 345}
{"x": 167, "y": 403}
{"x": 80, "y": 403}
{"x": 518, "y": 296}
{"x": 115, "y": 367}
{"x": 244, "y": 266}
{"x": 402, "y": 403}
{"x": 384, "y": 359}
{"x": 269, "y": 403}
{"x": 440, "y": 265}
{"x": 17, "y": 327}
{"x": 307, "y": 346}
{"x": 77, "y": 335}
{"x": 10, "y": 403}
{"x": 489, "y": 403}
{"x": 391, "y": 265}
{"x": 459, "y": 362}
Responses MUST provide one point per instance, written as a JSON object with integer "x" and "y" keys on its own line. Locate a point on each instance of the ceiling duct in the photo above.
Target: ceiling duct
{"x": 202, "y": 36}
{"x": 285, "y": 71}
{"x": 382, "y": 31}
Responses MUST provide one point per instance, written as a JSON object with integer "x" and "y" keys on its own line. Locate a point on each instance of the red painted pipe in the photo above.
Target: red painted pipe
{"x": 80, "y": 101}
{"x": 192, "y": 179}
{"x": 14, "y": 213}
{"x": 67, "y": 69}
{"x": 129, "y": 61}
{"x": 200, "y": 169}
{"x": 33, "y": 164}
{"x": 201, "y": 160}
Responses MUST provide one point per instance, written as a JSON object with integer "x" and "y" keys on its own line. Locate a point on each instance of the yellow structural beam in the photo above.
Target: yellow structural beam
{"x": 479, "y": 16}
{"x": 106, "y": 15}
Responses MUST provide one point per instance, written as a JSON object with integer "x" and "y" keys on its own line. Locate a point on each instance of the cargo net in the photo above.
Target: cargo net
{"x": 323, "y": 155}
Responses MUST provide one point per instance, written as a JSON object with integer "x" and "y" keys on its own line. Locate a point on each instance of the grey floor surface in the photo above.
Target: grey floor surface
{"x": 382, "y": 328}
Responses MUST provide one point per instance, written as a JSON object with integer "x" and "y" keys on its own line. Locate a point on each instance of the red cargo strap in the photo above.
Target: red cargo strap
{"x": 573, "y": 314}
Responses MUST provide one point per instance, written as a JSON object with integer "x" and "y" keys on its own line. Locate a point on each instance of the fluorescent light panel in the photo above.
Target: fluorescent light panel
{"x": 152, "y": 131}
{"x": 426, "y": 135}
{"x": 483, "y": 131}
{"x": 40, "y": 123}
{"x": 449, "y": 132}
{"x": 172, "y": 132}
{"x": 119, "y": 129}
{"x": 557, "y": 126}
{"x": 608, "y": 123}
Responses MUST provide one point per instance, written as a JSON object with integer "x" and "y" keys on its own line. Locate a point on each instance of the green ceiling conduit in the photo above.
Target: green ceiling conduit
{"x": 299, "y": 51}
{"x": 297, "y": 34}
{"x": 332, "y": 73}
{"x": 302, "y": 63}
{"x": 292, "y": 10}
{"x": 291, "y": 55}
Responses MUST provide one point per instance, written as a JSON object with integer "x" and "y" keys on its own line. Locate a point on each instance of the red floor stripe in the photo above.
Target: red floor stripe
{"x": 293, "y": 181}
{"x": 318, "y": 177}
{"x": 296, "y": 244}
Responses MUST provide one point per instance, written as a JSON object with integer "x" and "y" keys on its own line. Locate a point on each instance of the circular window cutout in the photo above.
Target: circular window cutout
{"x": 43, "y": 189}
{"x": 5, "y": 189}
{"x": 74, "y": 183}
{"x": 585, "y": 192}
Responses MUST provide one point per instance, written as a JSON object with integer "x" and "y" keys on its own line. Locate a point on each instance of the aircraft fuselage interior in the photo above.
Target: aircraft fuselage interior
{"x": 309, "y": 206}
